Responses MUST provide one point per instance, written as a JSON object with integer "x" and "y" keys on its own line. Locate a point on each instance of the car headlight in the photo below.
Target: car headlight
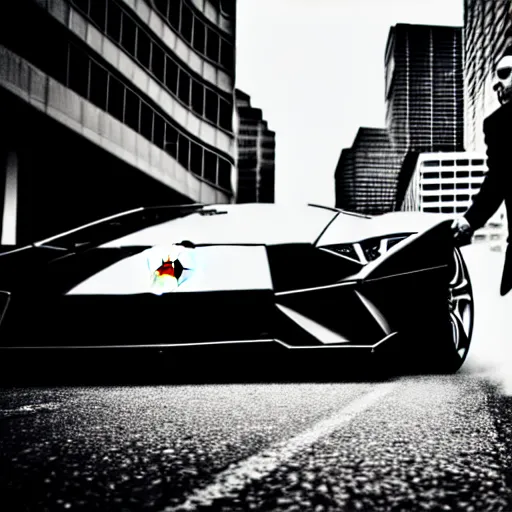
{"x": 369, "y": 249}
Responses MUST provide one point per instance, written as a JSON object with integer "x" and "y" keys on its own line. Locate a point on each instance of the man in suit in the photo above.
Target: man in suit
{"x": 497, "y": 184}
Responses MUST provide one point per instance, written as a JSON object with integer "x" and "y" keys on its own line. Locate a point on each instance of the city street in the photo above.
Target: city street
{"x": 407, "y": 443}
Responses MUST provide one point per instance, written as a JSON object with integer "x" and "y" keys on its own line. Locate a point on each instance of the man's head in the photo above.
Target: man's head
{"x": 503, "y": 85}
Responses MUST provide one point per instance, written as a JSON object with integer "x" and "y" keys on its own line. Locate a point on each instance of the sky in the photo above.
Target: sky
{"x": 316, "y": 69}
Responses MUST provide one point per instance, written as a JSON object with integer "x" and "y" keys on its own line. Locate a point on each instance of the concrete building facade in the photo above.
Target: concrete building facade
{"x": 113, "y": 104}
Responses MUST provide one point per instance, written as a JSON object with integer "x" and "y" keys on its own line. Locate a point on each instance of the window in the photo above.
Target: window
{"x": 54, "y": 58}
{"x": 446, "y": 199}
{"x": 447, "y": 209}
{"x": 447, "y": 186}
{"x": 475, "y": 185}
{"x": 431, "y": 210}
{"x": 162, "y": 7}
{"x": 211, "y": 106}
{"x": 114, "y": 17}
{"x": 430, "y": 175}
{"x": 430, "y": 187}
{"x": 462, "y": 162}
{"x": 477, "y": 162}
{"x": 462, "y": 174}
{"x": 224, "y": 174}
{"x": 447, "y": 174}
{"x": 197, "y": 98}
{"x": 158, "y": 131}
{"x": 171, "y": 75}
{"x": 227, "y": 7}
{"x": 210, "y": 166}
{"x": 227, "y": 57}
{"x": 447, "y": 163}
{"x": 212, "y": 45}
{"x": 83, "y": 5}
{"x": 186, "y": 22}
{"x": 132, "y": 110}
{"x": 129, "y": 35}
{"x": 477, "y": 174}
{"x": 143, "y": 48}
{"x": 174, "y": 14}
{"x": 146, "y": 121}
{"x": 196, "y": 158}
{"x": 199, "y": 36}
{"x": 463, "y": 197}
{"x": 158, "y": 62}
{"x": 431, "y": 163}
{"x": 183, "y": 151}
{"x": 98, "y": 14}
{"x": 430, "y": 199}
{"x": 225, "y": 115}
{"x": 98, "y": 86}
{"x": 184, "y": 87}
{"x": 116, "y": 98}
{"x": 78, "y": 71}
{"x": 171, "y": 140}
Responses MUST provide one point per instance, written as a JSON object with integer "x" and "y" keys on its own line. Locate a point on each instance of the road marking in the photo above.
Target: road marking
{"x": 29, "y": 409}
{"x": 236, "y": 477}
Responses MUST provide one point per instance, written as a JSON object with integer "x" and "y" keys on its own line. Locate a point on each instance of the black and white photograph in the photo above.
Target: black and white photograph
{"x": 254, "y": 255}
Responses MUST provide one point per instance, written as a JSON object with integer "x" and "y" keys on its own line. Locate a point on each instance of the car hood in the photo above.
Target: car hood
{"x": 166, "y": 269}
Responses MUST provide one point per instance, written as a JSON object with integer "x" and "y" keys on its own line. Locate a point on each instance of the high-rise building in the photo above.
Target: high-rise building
{"x": 424, "y": 88}
{"x": 113, "y": 104}
{"x": 446, "y": 182}
{"x": 487, "y": 32}
{"x": 366, "y": 173}
{"x": 255, "y": 177}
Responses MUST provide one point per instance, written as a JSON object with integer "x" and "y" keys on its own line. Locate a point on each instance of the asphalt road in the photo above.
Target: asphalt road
{"x": 404, "y": 443}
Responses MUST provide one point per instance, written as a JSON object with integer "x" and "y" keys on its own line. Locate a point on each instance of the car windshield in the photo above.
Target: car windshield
{"x": 110, "y": 228}
{"x": 246, "y": 224}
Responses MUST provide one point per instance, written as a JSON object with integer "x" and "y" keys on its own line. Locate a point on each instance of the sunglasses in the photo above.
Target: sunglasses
{"x": 503, "y": 73}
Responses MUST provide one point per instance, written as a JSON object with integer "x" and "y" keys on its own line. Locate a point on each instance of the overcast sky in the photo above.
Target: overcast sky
{"x": 316, "y": 68}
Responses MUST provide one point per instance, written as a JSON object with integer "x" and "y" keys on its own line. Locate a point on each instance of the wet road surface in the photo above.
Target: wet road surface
{"x": 412, "y": 443}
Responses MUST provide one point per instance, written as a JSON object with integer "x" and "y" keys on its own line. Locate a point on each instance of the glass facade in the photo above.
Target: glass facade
{"x": 424, "y": 97}
{"x": 366, "y": 174}
{"x": 255, "y": 154}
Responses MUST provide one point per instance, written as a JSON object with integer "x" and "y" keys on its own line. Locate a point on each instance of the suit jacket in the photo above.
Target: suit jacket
{"x": 497, "y": 185}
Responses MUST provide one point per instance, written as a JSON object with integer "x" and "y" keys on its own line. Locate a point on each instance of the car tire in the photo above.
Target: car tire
{"x": 453, "y": 341}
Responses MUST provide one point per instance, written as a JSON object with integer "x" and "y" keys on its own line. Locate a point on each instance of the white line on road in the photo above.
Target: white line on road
{"x": 29, "y": 409}
{"x": 238, "y": 475}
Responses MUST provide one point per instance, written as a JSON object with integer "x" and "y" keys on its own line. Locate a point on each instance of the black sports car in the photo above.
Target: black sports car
{"x": 296, "y": 278}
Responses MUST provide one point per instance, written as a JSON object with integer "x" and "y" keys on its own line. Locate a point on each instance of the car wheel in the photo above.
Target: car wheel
{"x": 456, "y": 338}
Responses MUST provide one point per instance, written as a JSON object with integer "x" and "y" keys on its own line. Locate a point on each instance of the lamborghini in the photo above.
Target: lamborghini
{"x": 304, "y": 278}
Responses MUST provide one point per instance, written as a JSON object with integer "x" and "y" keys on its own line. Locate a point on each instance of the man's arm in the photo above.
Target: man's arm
{"x": 491, "y": 193}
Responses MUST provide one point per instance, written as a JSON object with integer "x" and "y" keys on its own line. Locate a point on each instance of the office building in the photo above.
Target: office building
{"x": 424, "y": 88}
{"x": 366, "y": 173}
{"x": 255, "y": 178}
{"x": 112, "y": 104}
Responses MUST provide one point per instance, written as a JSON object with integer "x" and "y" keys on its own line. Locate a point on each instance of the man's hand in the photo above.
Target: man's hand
{"x": 462, "y": 231}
